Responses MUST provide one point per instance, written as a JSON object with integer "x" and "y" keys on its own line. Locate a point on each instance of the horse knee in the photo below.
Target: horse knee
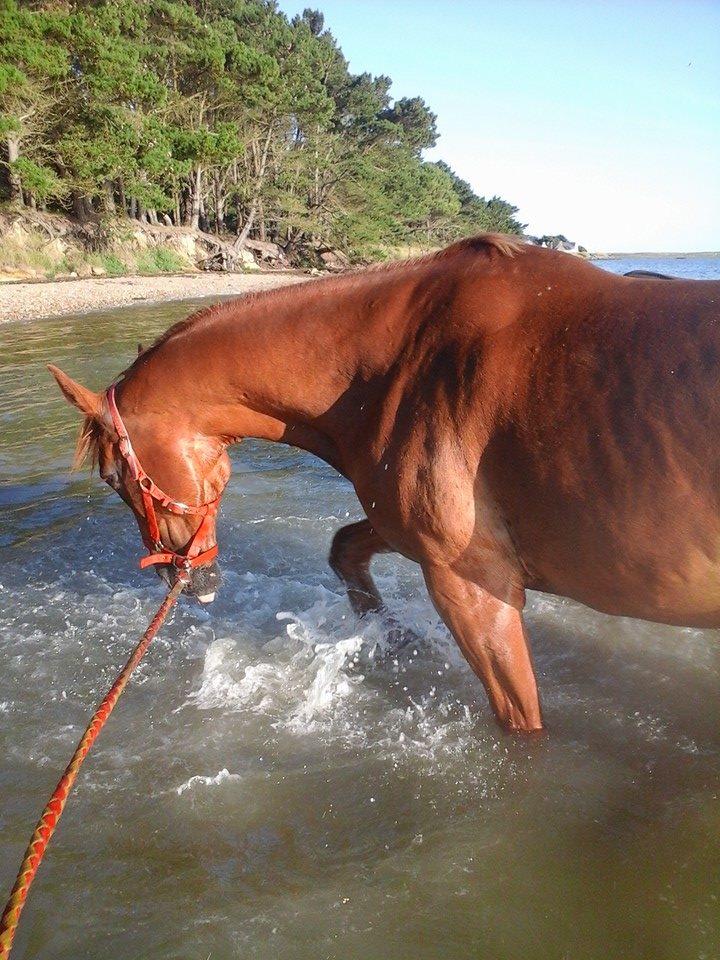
{"x": 348, "y": 553}
{"x": 337, "y": 557}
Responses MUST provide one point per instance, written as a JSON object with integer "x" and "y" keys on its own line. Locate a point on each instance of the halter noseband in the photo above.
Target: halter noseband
{"x": 159, "y": 553}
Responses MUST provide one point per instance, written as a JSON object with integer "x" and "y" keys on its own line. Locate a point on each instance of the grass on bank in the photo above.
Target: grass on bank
{"x": 32, "y": 255}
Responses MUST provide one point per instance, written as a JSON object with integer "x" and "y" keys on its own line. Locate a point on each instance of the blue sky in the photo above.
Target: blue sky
{"x": 599, "y": 120}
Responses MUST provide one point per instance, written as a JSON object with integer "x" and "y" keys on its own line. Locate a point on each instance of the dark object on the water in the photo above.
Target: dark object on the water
{"x": 649, "y": 274}
{"x": 510, "y": 417}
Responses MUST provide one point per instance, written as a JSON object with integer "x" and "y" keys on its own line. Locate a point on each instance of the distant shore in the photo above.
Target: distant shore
{"x": 654, "y": 255}
{"x": 56, "y": 298}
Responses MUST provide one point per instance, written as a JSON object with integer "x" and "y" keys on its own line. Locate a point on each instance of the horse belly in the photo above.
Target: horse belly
{"x": 642, "y": 543}
{"x": 666, "y": 573}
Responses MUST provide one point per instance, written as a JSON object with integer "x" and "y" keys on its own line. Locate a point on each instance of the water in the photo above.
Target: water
{"x": 274, "y": 784}
{"x": 680, "y": 265}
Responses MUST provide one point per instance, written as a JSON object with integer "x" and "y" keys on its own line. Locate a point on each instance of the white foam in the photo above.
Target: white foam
{"x": 298, "y": 678}
{"x": 329, "y": 680}
{"x": 199, "y": 781}
{"x": 330, "y": 677}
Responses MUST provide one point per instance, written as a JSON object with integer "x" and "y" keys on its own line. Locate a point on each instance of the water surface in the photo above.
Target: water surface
{"x": 271, "y": 786}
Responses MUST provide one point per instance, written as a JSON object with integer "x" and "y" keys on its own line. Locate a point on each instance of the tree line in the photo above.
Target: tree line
{"x": 221, "y": 115}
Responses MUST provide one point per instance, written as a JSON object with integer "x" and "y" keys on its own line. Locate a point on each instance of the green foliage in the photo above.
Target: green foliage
{"x": 225, "y": 114}
{"x": 41, "y": 181}
{"x": 414, "y": 122}
{"x": 160, "y": 260}
{"x": 112, "y": 265}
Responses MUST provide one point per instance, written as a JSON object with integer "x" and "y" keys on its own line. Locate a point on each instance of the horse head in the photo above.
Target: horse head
{"x": 179, "y": 528}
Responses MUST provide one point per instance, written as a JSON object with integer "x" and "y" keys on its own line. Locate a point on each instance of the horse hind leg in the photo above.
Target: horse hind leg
{"x": 352, "y": 549}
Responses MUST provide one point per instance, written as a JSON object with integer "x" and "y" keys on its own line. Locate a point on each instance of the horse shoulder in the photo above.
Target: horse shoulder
{"x": 427, "y": 497}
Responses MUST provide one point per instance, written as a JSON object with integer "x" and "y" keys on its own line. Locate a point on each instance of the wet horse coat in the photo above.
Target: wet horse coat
{"x": 510, "y": 417}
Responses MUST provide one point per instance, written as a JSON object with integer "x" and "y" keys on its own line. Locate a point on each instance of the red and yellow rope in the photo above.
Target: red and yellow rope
{"x": 51, "y": 814}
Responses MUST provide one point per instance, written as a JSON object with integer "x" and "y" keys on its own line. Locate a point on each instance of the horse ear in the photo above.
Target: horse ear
{"x": 141, "y": 349}
{"x": 79, "y": 396}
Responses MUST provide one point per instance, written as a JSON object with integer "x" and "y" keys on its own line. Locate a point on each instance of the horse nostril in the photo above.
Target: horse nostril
{"x": 204, "y": 582}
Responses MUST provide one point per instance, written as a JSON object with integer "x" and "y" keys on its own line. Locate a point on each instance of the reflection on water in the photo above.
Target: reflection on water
{"x": 275, "y": 782}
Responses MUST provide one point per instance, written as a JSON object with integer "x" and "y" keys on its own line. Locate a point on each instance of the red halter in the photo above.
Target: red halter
{"x": 159, "y": 553}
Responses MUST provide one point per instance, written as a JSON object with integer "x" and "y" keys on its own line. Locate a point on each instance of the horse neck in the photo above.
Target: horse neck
{"x": 272, "y": 367}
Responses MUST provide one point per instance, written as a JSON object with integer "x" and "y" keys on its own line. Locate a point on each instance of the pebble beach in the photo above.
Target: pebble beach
{"x": 54, "y": 298}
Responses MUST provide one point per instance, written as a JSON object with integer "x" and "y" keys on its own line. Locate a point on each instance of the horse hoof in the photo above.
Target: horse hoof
{"x": 397, "y": 638}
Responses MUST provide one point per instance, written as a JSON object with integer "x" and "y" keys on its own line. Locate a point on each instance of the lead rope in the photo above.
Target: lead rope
{"x": 51, "y": 813}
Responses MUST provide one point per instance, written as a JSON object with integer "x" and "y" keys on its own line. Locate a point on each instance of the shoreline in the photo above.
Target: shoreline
{"x": 650, "y": 255}
{"x": 27, "y": 300}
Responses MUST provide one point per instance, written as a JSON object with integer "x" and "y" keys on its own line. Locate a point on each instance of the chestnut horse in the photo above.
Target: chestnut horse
{"x": 511, "y": 417}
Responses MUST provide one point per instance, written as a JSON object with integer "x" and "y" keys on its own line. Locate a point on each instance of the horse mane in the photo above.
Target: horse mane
{"x": 88, "y": 444}
{"x": 485, "y": 243}
{"x": 505, "y": 244}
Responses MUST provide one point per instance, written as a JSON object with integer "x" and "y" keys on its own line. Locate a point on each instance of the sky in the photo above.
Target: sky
{"x": 598, "y": 119}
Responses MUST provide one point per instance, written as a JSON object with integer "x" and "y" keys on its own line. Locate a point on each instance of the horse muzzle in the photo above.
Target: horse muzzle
{"x": 202, "y": 582}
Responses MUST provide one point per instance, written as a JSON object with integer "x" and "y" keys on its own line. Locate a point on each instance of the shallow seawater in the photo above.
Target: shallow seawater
{"x": 275, "y": 782}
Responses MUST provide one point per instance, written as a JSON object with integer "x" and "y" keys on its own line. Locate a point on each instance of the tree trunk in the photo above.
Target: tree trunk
{"x": 109, "y": 198}
{"x": 247, "y": 227}
{"x": 78, "y": 205}
{"x": 219, "y": 204}
{"x": 193, "y": 208}
{"x": 261, "y": 161}
{"x": 14, "y": 182}
{"x": 121, "y": 194}
{"x": 203, "y": 221}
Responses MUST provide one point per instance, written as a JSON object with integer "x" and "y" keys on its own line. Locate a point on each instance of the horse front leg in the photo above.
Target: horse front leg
{"x": 492, "y": 637}
{"x": 352, "y": 549}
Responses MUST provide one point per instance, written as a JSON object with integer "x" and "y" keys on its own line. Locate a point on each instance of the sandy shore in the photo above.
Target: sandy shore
{"x": 30, "y": 301}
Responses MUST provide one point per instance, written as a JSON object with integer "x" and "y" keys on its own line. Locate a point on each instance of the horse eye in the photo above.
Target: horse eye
{"x": 111, "y": 479}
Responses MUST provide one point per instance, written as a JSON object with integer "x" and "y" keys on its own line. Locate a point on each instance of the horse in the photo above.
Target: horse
{"x": 510, "y": 417}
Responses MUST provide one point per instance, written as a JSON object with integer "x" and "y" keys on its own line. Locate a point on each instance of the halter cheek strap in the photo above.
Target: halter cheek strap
{"x": 151, "y": 494}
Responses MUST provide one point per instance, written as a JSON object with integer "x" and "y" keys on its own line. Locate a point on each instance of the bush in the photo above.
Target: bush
{"x": 114, "y": 267}
{"x": 160, "y": 260}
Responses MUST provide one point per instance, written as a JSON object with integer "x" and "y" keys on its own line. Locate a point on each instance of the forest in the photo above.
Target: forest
{"x": 224, "y": 116}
